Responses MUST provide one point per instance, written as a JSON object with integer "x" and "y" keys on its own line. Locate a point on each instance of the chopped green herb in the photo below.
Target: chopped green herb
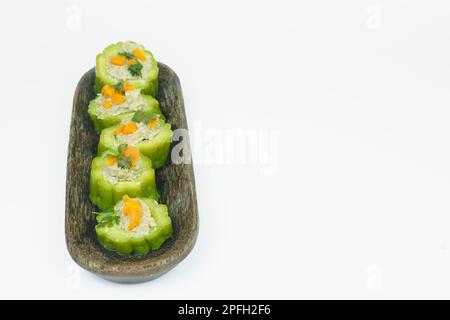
{"x": 107, "y": 219}
{"x": 124, "y": 162}
{"x": 135, "y": 69}
{"x": 122, "y": 147}
{"x": 143, "y": 117}
{"x": 126, "y": 54}
{"x": 119, "y": 86}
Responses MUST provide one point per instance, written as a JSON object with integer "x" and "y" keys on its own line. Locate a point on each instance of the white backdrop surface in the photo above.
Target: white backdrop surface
{"x": 343, "y": 191}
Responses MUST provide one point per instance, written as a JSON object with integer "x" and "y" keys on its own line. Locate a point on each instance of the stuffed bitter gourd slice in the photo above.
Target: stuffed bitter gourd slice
{"x": 149, "y": 133}
{"x": 123, "y": 172}
{"x": 119, "y": 102}
{"x": 127, "y": 61}
{"x": 134, "y": 225}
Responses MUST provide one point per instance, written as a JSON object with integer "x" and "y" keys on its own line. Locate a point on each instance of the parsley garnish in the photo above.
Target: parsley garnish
{"x": 129, "y": 55}
{"x": 119, "y": 86}
{"x": 143, "y": 117}
{"x": 134, "y": 69}
{"x": 123, "y": 161}
{"x": 122, "y": 147}
{"x": 107, "y": 219}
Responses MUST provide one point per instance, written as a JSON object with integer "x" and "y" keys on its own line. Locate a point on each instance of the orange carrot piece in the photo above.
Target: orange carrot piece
{"x": 118, "y": 98}
{"x": 138, "y": 53}
{"x": 152, "y": 123}
{"x": 127, "y": 86}
{"x": 131, "y": 151}
{"x": 133, "y": 209}
{"x": 136, "y": 216}
{"x": 107, "y": 104}
{"x": 119, "y": 130}
{"x": 107, "y": 91}
{"x": 118, "y": 60}
{"x": 130, "y": 127}
{"x": 111, "y": 161}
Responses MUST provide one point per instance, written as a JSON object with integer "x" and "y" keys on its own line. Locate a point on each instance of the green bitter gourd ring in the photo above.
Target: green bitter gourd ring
{"x": 120, "y": 61}
{"x": 116, "y": 174}
{"x": 134, "y": 225}
{"x": 104, "y": 112}
{"x": 152, "y": 137}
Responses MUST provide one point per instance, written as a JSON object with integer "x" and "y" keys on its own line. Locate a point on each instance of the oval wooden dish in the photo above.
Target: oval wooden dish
{"x": 175, "y": 184}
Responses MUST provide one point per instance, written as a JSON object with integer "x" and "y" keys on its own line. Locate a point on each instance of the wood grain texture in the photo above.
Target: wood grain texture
{"x": 175, "y": 183}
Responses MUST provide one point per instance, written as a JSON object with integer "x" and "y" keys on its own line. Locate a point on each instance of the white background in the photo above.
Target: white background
{"x": 358, "y": 93}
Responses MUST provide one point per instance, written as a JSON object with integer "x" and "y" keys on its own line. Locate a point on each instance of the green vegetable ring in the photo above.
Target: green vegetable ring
{"x": 148, "y": 85}
{"x": 94, "y": 109}
{"x": 115, "y": 236}
{"x": 157, "y": 148}
{"x": 104, "y": 194}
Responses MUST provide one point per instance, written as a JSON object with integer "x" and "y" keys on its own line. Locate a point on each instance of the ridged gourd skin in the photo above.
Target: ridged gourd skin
{"x": 105, "y": 194}
{"x": 108, "y": 121}
{"x": 148, "y": 86}
{"x": 157, "y": 149}
{"x": 116, "y": 239}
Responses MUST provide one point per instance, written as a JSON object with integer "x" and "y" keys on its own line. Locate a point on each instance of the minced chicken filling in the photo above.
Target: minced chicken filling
{"x": 145, "y": 219}
{"x": 115, "y": 174}
{"x": 134, "y": 101}
{"x": 142, "y": 132}
{"x": 120, "y": 70}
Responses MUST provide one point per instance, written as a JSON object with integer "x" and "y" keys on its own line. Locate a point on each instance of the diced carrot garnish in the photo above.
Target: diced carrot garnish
{"x": 130, "y": 205}
{"x": 127, "y": 86}
{"x": 107, "y": 104}
{"x": 119, "y": 130}
{"x": 136, "y": 216}
{"x": 118, "y": 60}
{"x": 138, "y": 53}
{"x": 152, "y": 123}
{"x": 132, "y": 61}
{"x": 107, "y": 91}
{"x": 135, "y": 160}
{"x": 111, "y": 161}
{"x": 118, "y": 98}
{"x": 130, "y": 127}
{"x": 132, "y": 152}
{"x": 133, "y": 209}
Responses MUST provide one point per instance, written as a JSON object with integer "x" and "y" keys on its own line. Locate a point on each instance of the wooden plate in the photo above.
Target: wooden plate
{"x": 175, "y": 183}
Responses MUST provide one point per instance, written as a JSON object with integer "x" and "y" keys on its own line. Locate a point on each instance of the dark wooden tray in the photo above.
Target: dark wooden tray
{"x": 175, "y": 184}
